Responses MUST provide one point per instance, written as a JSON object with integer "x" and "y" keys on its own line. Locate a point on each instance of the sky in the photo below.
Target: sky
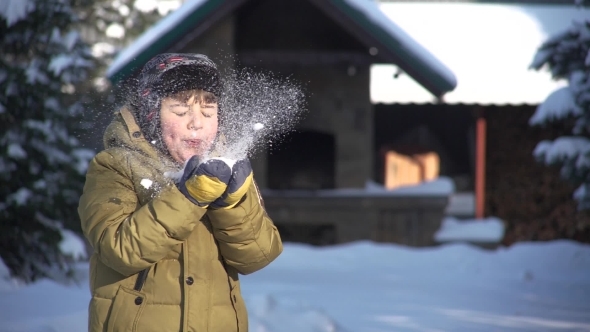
{"x": 489, "y": 47}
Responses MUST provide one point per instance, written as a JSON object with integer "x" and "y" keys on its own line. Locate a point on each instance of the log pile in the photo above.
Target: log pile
{"x": 531, "y": 198}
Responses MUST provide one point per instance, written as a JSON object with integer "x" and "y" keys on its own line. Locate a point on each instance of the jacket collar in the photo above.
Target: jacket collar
{"x": 124, "y": 131}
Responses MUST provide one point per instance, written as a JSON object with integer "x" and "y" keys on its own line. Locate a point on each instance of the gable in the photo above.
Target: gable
{"x": 360, "y": 19}
{"x": 290, "y": 25}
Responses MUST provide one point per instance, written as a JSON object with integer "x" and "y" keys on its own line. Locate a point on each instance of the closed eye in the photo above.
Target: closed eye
{"x": 179, "y": 109}
{"x": 210, "y": 110}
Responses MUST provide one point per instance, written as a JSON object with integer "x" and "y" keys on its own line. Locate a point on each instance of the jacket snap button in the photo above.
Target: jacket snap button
{"x": 190, "y": 281}
{"x": 136, "y": 134}
{"x": 138, "y": 300}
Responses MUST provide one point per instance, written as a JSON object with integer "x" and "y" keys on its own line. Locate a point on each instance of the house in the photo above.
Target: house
{"x": 481, "y": 130}
{"x": 316, "y": 185}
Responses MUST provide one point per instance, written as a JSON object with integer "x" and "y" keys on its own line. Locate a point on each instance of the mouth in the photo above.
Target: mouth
{"x": 193, "y": 143}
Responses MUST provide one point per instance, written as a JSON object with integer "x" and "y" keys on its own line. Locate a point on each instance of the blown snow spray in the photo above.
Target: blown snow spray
{"x": 256, "y": 110}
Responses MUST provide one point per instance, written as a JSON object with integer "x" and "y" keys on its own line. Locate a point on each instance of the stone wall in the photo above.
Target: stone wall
{"x": 330, "y": 218}
{"x": 338, "y": 104}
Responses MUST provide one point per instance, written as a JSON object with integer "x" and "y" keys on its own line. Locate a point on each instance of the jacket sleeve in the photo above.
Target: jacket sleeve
{"x": 126, "y": 237}
{"x": 248, "y": 239}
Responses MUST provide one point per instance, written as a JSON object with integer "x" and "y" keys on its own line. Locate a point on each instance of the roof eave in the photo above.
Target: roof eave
{"x": 401, "y": 50}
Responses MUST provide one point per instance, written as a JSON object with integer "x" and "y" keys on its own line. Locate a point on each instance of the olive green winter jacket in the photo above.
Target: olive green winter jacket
{"x": 135, "y": 218}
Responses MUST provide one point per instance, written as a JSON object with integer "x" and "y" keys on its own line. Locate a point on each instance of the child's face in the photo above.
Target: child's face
{"x": 188, "y": 128}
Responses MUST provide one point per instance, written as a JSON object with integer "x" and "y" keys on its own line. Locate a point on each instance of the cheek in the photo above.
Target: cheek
{"x": 212, "y": 132}
{"x": 213, "y": 128}
{"x": 169, "y": 130}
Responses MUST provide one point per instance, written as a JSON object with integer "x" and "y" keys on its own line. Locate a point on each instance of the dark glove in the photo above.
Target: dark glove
{"x": 241, "y": 180}
{"x": 203, "y": 183}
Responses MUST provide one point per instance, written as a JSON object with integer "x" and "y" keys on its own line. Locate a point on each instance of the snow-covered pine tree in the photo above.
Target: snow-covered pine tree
{"x": 110, "y": 26}
{"x": 41, "y": 163}
{"x": 567, "y": 55}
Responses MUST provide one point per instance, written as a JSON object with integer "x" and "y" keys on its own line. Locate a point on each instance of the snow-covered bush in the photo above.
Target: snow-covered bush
{"x": 41, "y": 163}
{"x": 567, "y": 56}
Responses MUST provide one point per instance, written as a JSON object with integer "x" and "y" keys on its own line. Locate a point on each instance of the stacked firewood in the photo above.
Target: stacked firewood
{"x": 532, "y": 199}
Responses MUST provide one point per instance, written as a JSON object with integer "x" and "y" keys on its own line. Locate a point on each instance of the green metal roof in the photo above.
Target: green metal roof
{"x": 362, "y": 18}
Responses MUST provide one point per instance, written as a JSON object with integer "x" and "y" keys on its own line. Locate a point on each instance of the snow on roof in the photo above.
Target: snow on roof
{"x": 441, "y": 186}
{"x": 153, "y": 34}
{"x": 419, "y": 62}
{"x": 405, "y": 41}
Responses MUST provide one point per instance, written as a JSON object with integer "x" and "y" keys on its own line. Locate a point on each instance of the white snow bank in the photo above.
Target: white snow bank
{"x": 268, "y": 314}
{"x": 366, "y": 286}
{"x": 382, "y": 287}
{"x": 441, "y": 186}
{"x": 45, "y": 306}
{"x": 489, "y": 230}
{"x": 461, "y": 204}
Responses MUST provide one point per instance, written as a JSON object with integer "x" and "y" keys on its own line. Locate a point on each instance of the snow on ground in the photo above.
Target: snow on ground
{"x": 372, "y": 287}
{"x": 488, "y": 230}
{"x": 461, "y": 204}
{"x": 441, "y": 186}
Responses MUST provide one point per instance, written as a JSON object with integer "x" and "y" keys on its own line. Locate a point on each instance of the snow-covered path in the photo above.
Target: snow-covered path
{"x": 368, "y": 287}
{"x": 376, "y": 287}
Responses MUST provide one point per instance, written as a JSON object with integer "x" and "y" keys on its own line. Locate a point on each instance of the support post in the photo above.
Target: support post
{"x": 480, "y": 163}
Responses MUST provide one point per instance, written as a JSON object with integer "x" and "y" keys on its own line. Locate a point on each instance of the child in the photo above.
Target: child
{"x": 167, "y": 255}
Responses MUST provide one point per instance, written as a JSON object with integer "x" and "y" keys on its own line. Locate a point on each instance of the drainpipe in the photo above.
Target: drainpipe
{"x": 480, "y": 163}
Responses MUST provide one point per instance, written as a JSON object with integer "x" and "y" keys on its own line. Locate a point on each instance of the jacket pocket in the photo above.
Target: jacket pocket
{"x": 126, "y": 310}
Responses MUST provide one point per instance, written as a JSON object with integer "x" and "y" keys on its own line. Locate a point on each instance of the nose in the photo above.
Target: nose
{"x": 195, "y": 120}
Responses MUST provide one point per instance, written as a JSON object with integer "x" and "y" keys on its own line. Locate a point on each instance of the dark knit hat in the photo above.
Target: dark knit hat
{"x": 167, "y": 74}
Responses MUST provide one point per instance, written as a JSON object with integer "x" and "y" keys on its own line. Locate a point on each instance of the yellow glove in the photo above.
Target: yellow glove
{"x": 203, "y": 183}
{"x": 241, "y": 180}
